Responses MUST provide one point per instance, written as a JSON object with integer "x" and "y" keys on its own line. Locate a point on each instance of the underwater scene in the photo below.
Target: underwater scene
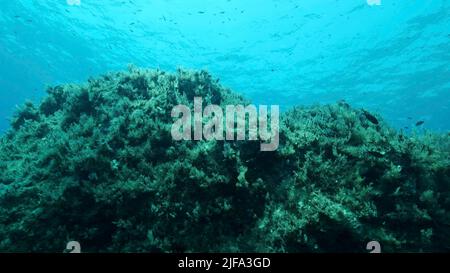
{"x": 229, "y": 126}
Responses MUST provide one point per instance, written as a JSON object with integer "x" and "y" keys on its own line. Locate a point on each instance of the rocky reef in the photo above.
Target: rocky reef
{"x": 96, "y": 163}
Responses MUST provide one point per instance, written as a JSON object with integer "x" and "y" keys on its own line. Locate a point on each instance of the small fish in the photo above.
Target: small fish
{"x": 409, "y": 118}
{"x": 343, "y": 103}
{"x": 371, "y": 117}
{"x": 420, "y": 122}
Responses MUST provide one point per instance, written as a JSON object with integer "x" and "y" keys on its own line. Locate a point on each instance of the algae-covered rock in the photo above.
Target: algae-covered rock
{"x": 96, "y": 163}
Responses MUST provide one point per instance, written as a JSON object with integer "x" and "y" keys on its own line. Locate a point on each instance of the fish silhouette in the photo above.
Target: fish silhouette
{"x": 420, "y": 122}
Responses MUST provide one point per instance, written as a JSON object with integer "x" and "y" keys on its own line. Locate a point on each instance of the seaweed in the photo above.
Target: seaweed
{"x": 95, "y": 163}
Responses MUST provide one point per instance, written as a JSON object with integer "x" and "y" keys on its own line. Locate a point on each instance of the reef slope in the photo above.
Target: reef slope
{"x": 96, "y": 163}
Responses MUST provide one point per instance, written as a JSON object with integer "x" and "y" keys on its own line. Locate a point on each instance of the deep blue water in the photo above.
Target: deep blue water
{"x": 392, "y": 58}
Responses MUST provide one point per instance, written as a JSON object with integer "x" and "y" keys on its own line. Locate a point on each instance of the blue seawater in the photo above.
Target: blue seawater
{"x": 390, "y": 57}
